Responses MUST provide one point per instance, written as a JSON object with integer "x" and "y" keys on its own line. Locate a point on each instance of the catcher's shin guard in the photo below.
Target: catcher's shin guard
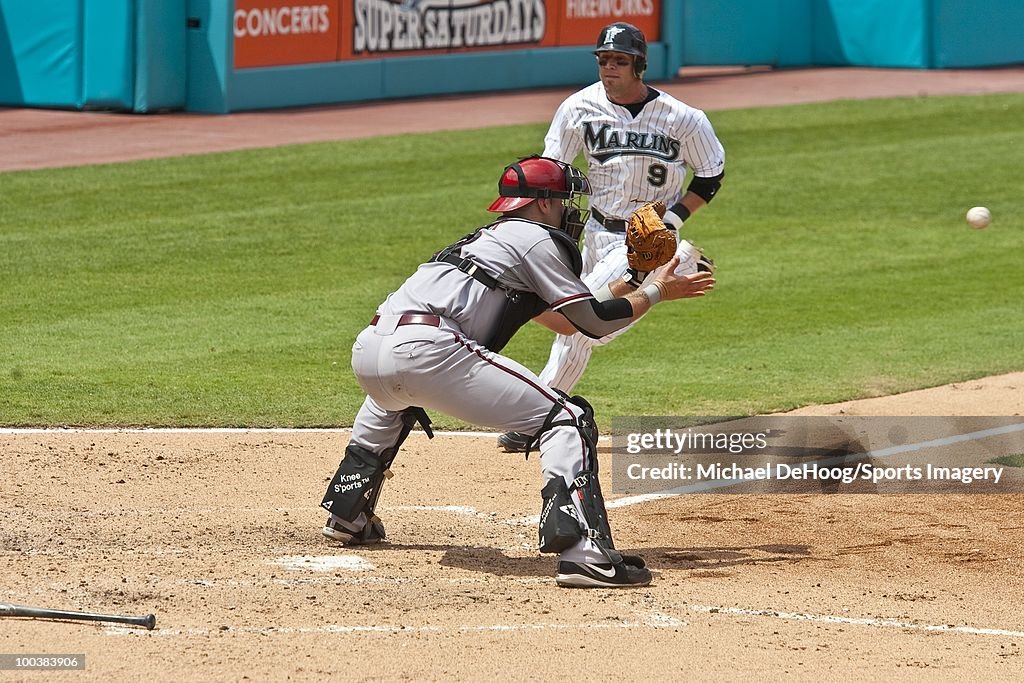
{"x": 358, "y": 477}
{"x": 355, "y": 488}
{"x": 560, "y": 526}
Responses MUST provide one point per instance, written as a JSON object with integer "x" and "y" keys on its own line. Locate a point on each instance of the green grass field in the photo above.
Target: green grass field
{"x": 226, "y": 289}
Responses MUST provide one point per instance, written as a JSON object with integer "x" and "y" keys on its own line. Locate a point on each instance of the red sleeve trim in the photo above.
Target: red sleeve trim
{"x": 568, "y": 300}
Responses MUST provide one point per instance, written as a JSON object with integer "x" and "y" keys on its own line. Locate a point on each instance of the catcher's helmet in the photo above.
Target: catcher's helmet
{"x": 625, "y": 38}
{"x": 537, "y": 177}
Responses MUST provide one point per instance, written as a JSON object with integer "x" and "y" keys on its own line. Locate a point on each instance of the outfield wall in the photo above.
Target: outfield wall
{"x": 926, "y": 34}
{"x": 230, "y": 55}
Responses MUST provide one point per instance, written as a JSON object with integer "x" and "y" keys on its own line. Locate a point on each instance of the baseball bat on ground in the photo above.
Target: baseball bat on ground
{"x": 7, "y": 610}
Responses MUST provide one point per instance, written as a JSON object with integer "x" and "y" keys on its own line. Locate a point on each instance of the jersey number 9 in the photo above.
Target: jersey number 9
{"x": 657, "y": 174}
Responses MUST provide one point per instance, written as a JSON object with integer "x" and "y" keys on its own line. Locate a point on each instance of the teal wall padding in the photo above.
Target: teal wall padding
{"x": 486, "y": 71}
{"x": 795, "y": 38}
{"x": 730, "y": 31}
{"x": 161, "y": 64}
{"x": 108, "y": 54}
{"x": 40, "y": 53}
{"x": 673, "y": 32}
{"x": 876, "y": 33}
{"x": 364, "y": 80}
{"x": 296, "y": 86}
{"x": 209, "y": 50}
{"x": 977, "y": 34}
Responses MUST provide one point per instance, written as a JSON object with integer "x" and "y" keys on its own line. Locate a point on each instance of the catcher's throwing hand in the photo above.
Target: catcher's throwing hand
{"x": 649, "y": 243}
{"x": 673, "y": 286}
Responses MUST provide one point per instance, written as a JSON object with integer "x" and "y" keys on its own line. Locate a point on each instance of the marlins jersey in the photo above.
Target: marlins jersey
{"x": 521, "y": 255}
{"x": 633, "y": 160}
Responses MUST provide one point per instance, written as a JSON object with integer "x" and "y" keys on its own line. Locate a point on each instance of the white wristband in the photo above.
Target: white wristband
{"x": 672, "y": 219}
{"x": 653, "y": 293}
{"x": 603, "y": 293}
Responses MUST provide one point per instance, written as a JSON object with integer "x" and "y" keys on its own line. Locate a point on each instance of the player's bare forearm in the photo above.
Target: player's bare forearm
{"x": 693, "y": 202}
{"x": 556, "y": 322}
{"x": 559, "y": 324}
{"x": 597, "y": 318}
{"x": 620, "y": 287}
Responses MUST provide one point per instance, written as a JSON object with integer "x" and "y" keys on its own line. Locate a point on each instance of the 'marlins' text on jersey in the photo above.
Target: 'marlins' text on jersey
{"x": 607, "y": 142}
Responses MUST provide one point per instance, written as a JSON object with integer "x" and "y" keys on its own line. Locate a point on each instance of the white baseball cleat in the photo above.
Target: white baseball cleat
{"x": 587, "y": 575}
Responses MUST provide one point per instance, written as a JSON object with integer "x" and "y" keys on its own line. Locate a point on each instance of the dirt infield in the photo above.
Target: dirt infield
{"x": 217, "y": 533}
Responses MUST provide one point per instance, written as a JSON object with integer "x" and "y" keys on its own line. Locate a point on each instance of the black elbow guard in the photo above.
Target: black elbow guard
{"x": 706, "y": 188}
{"x": 606, "y": 311}
{"x": 613, "y": 309}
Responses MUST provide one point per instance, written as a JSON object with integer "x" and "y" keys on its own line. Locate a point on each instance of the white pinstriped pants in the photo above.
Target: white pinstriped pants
{"x": 604, "y": 261}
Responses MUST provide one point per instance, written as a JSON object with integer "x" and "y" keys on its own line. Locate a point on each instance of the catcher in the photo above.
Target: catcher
{"x": 435, "y": 344}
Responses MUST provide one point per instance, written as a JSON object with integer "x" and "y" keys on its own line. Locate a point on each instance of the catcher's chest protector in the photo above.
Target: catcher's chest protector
{"x": 521, "y": 306}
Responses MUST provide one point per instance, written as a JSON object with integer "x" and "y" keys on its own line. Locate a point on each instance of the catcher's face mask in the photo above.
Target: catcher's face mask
{"x": 574, "y": 217}
{"x": 537, "y": 177}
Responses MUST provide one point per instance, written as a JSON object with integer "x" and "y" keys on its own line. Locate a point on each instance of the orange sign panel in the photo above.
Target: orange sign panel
{"x": 277, "y": 32}
{"x": 581, "y": 20}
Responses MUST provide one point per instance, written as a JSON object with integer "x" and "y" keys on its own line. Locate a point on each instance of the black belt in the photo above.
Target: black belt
{"x": 413, "y": 319}
{"x": 610, "y": 224}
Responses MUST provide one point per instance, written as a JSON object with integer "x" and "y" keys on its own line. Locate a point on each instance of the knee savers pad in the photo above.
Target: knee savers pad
{"x": 360, "y": 473}
{"x": 587, "y": 425}
{"x": 584, "y": 423}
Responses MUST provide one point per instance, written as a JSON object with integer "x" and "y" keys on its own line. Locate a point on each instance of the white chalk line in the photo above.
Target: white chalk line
{"x": 335, "y": 580}
{"x": 458, "y": 510}
{"x": 856, "y": 621}
{"x": 655, "y": 620}
{"x": 219, "y": 430}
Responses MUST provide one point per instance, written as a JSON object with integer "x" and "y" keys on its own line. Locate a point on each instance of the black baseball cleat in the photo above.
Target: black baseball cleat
{"x": 370, "y": 534}
{"x": 514, "y": 442}
{"x": 587, "y": 575}
{"x": 634, "y": 561}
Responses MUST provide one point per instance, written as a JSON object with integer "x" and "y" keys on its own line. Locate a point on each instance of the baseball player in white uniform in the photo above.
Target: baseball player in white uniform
{"x": 435, "y": 342}
{"x": 639, "y": 143}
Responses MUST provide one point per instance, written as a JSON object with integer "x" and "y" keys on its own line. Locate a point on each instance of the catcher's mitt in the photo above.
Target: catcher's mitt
{"x": 649, "y": 243}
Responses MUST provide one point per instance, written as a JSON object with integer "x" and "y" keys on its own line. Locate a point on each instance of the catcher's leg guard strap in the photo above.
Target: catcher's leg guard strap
{"x": 411, "y": 416}
{"x": 586, "y": 488}
{"x": 356, "y": 482}
{"x": 585, "y": 423}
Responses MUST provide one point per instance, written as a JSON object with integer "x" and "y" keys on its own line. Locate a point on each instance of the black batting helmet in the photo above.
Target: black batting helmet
{"x": 626, "y": 38}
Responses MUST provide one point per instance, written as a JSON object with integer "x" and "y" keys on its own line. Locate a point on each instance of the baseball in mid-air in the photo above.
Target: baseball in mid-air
{"x": 979, "y": 217}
